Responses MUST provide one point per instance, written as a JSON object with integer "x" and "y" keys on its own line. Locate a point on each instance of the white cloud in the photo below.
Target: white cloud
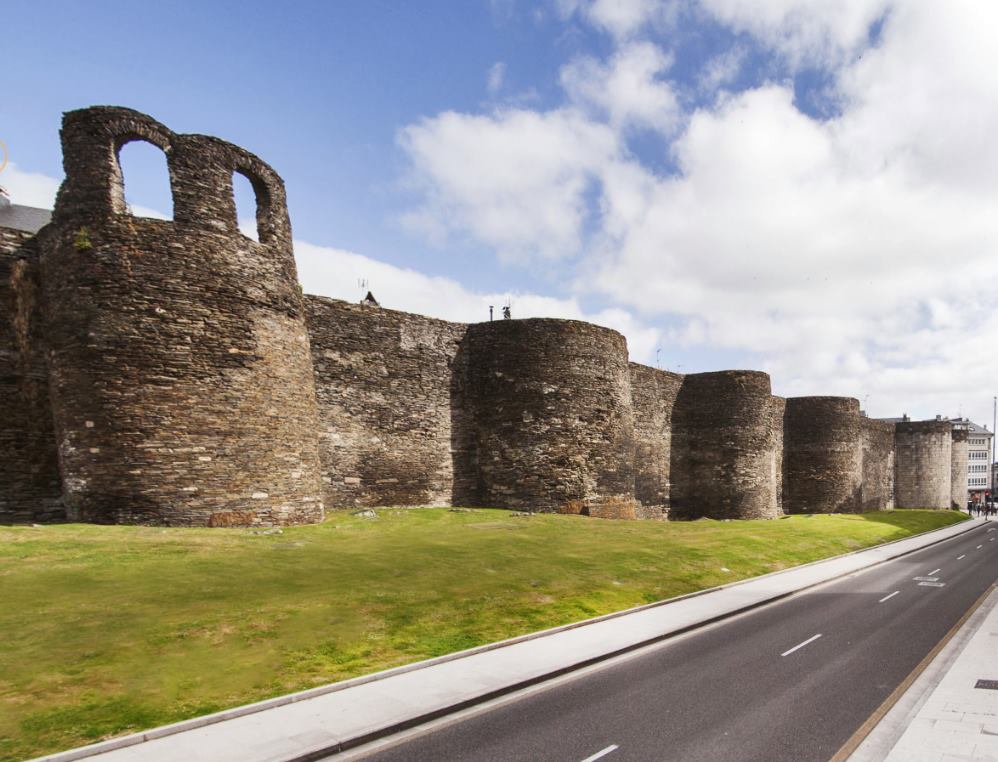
{"x": 622, "y": 18}
{"x": 516, "y": 180}
{"x": 496, "y": 76}
{"x": 854, "y": 255}
{"x": 809, "y": 32}
{"x": 29, "y": 188}
{"x": 336, "y": 273}
{"x": 627, "y": 90}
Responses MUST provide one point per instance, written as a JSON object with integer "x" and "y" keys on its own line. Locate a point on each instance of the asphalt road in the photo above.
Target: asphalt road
{"x": 790, "y": 681}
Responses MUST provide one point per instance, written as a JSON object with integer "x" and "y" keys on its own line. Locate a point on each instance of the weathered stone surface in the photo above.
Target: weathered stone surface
{"x": 172, "y": 373}
{"x": 959, "y": 462}
{"x": 553, "y": 415}
{"x": 653, "y": 394}
{"x": 29, "y": 473}
{"x": 877, "y": 438}
{"x": 923, "y": 464}
{"x": 725, "y": 457}
{"x": 180, "y": 370}
{"x": 383, "y": 381}
{"x": 822, "y": 452}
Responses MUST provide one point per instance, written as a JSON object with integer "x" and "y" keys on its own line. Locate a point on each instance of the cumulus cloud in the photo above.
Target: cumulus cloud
{"x": 623, "y": 18}
{"x": 627, "y": 90}
{"x": 807, "y": 32}
{"x": 336, "y": 273}
{"x": 849, "y": 255}
{"x": 516, "y": 179}
{"x": 29, "y": 188}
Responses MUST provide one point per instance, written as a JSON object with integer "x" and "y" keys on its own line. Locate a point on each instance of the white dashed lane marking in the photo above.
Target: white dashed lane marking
{"x": 801, "y": 645}
{"x": 601, "y": 753}
{"x": 936, "y": 571}
{"x": 963, "y": 556}
{"x": 888, "y": 597}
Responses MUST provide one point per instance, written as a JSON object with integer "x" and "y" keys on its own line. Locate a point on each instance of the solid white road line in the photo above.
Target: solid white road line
{"x": 931, "y": 573}
{"x": 603, "y": 753}
{"x": 888, "y": 597}
{"x": 801, "y": 645}
{"x": 963, "y": 556}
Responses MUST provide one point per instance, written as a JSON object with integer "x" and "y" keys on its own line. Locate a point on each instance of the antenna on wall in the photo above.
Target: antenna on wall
{"x": 362, "y": 284}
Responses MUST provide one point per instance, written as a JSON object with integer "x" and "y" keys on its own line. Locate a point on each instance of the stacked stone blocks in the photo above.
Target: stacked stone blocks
{"x": 171, "y": 372}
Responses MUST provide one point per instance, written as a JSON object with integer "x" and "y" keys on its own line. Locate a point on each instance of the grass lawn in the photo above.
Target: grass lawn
{"x": 108, "y": 630}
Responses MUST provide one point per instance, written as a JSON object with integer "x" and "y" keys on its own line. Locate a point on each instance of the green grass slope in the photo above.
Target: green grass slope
{"x": 107, "y": 630}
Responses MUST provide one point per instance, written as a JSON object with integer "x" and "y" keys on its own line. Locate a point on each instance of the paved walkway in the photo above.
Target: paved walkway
{"x": 325, "y": 720}
{"x": 947, "y": 714}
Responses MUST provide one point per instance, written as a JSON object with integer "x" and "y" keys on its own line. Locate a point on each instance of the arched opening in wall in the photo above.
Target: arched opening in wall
{"x": 145, "y": 180}
{"x": 248, "y": 201}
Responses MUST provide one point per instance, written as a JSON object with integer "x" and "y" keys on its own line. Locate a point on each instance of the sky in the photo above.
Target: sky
{"x": 803, "y": 187}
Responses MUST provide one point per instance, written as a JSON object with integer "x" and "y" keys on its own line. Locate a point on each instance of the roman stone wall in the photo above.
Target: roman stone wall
{"x": 383, "y": 382}
{"x": 180, "y": 370}
{"x": 551, "y": 402}
{"x": 778, "y": 410}
{"x": 29, "y": 475}
{"x": 958, "y": 469}
{"x": 822, "y": 455}
{"x": 725, "y": 447}
{"x": 653, "y": 394}
{"x": 923, "y": 463}
{"x": 877, "y": 444}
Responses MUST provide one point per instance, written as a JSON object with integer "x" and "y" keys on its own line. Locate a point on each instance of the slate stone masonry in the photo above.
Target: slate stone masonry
{"x": 172, "y": 372}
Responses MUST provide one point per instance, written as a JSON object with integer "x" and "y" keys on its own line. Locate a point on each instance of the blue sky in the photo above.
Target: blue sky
{"x": 798, "y": 186}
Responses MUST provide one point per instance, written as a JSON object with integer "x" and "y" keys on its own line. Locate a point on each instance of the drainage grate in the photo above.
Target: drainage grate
{"x": 991, "y": 685}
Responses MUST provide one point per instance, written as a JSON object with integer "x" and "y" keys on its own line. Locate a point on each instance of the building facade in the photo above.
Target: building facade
{"x": 978, "y": 458}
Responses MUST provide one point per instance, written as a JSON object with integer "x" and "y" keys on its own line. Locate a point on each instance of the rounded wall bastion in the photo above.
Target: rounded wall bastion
{"x": 726, "y": 457}
{"x": 180, "y": 370}
{"x": 822, "y": 455}
{"x": 554, "y": 428}
{"x": 923, "y": 464}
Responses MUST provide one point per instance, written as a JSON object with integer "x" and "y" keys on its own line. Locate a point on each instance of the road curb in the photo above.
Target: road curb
{"x": 134, "y": 739}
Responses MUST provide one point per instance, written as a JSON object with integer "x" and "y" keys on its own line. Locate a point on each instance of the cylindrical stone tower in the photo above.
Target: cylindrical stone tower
{"x": 823, "y": 467}
{"x": 725, "y": 458}
{"x": 923, "y": 464}
{"x": 553, "y": 418}
{"x": 180, "y": 369}
{"x": 958, "y": 471}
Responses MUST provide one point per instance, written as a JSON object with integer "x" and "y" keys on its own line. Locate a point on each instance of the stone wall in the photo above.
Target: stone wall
{"x": 822, "y": 455}
{"x": 383, "y": 382}
{"x": 725, "y": 439}
{"x": 653, "y": 394}
{"x": 171, "y": 372}
{"x": 924, "y": 454}
{"x": 29, "y": 475}
{"x": 778, "y": 411}
{"x": 877, "y": 444}
{"x": 958, "y": 469}
{"x": 180, "y": 370}
{"x": 551, "y": 402}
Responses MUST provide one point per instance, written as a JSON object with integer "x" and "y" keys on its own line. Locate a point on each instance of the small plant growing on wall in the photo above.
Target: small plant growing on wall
{"x": 82, "y": 240}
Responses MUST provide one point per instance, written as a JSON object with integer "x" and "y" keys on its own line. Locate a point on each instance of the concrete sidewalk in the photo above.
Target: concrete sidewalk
{"x": 322, "y": 721}
{"x": 947, "y": 714}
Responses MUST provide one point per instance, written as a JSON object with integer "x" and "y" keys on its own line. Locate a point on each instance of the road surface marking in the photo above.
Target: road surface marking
{"x": 932, "y": 584}
{"x": 978, "y": 547}
{"x": 888, "y": 597}
{"x": 801, "y": 645}
{"x": 933, "y": 572}
{"x": 602, "y": 753}
{"x": 926, "y": 579}
{"x": 963, "y": 556}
